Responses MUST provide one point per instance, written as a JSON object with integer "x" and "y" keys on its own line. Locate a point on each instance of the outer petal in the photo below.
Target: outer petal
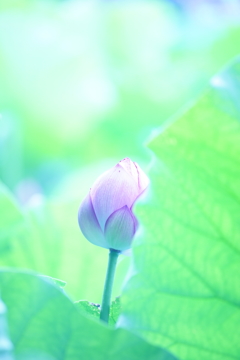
{"x": 111, "y": 191}
{"x": 134, "y": 170}
{"x": 89, "y": 224}
{"x": 120, "y": 229}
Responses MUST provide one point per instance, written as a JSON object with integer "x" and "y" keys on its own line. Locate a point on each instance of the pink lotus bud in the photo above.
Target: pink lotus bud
{"x": 105, "y": 215}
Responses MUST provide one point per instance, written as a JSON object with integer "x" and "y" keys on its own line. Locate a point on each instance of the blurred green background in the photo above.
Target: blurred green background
{"x": 82, "y": 81}
{"x": 84, "y": 84}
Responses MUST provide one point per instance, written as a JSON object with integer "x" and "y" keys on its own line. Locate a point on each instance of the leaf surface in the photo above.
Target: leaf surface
{"x": 42, "y": 319}
{"x": 6, "y": 346}
{"x": 186, "y": 264}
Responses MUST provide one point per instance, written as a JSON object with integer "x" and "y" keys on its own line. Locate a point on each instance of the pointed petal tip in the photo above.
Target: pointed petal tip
{"x": 134, "y": 170}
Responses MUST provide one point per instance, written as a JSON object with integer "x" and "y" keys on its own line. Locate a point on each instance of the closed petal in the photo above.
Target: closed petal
{"x": 120, "y": 229}
{"x": 134, "y": 170}
{"x": 111, "y": 191}
{"x": 89, "y": 225}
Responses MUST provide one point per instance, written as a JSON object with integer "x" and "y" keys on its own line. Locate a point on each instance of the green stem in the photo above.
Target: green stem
{"x": 107, "y": 292}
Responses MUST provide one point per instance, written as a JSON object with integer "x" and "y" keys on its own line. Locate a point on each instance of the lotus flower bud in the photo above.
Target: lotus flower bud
{"x": 105, "y": 216}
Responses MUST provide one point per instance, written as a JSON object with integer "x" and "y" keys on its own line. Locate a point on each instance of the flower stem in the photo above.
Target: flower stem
{"x": 107, "y": 292}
